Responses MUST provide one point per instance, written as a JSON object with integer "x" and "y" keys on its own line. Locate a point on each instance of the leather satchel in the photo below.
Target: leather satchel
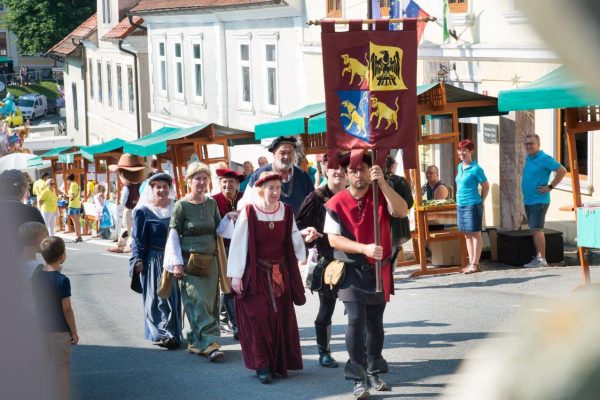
{"x": 200, "y": 264}
{"x": 334, "y": 273}
{"x": 166, "y": 284}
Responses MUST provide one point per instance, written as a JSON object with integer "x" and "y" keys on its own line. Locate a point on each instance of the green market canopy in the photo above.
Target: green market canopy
{"x": 554, "y": 90}
{"x": 114, "y": 145}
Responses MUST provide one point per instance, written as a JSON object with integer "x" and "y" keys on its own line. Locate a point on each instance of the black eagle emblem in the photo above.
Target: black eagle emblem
{"x": 386, "y": 68}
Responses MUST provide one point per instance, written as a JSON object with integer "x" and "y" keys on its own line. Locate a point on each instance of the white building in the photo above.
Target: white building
{"x": 105, "y": 75}
{"x": 235, "y": 64}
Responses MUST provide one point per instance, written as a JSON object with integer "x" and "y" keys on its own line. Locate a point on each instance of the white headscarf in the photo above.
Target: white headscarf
{"x": 147, "y": 196}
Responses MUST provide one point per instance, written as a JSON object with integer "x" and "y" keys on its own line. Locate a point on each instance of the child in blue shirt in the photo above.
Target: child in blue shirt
{"x": 52, "y": 293}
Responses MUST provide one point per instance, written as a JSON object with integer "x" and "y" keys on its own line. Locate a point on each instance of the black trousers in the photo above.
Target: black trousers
{"x": 361, "y": 316}
{"x": 327, "y": 299}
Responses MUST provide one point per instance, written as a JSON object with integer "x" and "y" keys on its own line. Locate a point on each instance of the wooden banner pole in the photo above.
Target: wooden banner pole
{"x": 372, "y": 21}
{"x": 375, "y": 190}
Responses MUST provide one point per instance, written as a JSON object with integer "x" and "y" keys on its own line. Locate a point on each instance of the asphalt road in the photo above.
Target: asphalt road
{"x": 431, "y": 326}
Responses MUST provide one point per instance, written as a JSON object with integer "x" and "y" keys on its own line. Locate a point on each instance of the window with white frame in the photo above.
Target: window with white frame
{"x": 245, "y": 84}
{"x": 178, "y": 69}
{"x": 99, "y": 71}
{"x": 271, "y": 75}
{"x": 130, "y": 89}
{"x": 106, "y": 11}
{"x": 91, "y": 77}
{"x": 109, "y": 86}
{"x": 119, "y": 87}
{"x": 198, "y": 89}
{"x": 162, "y": 58}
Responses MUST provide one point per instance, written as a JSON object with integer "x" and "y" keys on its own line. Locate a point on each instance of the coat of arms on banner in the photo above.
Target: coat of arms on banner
{"x": 370, "y": 88}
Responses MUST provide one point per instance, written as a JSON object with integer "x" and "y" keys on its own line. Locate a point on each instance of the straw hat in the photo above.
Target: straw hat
{"x": 128, "y": 162}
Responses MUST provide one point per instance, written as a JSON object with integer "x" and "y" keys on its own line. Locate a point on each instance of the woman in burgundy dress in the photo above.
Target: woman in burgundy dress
{"x": 263, "y": 267}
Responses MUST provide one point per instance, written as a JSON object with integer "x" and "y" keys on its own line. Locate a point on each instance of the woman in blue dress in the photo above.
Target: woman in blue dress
{"x": 151, "y": 217}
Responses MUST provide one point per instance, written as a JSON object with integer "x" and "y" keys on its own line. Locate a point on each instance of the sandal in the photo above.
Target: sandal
{"x": 471, "y": 269}
{"x": 465, "y": 268}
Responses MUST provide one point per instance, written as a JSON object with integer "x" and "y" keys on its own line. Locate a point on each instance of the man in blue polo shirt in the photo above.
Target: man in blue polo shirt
{"x": 536, "y": 193}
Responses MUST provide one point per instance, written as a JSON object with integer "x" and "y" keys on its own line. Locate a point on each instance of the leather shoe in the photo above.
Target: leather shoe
{"x": 375, "y": 382}
{"x": 264, "y": 375}
{"x": 236, "y": 334}
{"x": 327, "y": 361}
{"x": 215, "y": 355}
{"x": 168, "y": 343}
{"x": 361, "y": 390}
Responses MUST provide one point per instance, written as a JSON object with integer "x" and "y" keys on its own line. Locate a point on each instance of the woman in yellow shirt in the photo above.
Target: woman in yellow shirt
{"x": 74, "y": 195}
{"x": 48, "y": 201}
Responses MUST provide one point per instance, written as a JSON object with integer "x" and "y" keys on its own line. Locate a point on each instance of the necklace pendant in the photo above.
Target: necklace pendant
{"x": 271, "y": 225}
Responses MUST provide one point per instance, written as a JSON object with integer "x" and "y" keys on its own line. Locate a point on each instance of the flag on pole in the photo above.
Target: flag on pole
{"x": 413, "y": 10}
{"x": 395, "y": 12}
{"x": 375, "y": 9}
{"x": 370, "y": 88}
{"x": 447, "y": 26}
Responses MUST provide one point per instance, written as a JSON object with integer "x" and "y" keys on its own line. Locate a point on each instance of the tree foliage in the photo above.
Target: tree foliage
{"x": 40, "y": 24}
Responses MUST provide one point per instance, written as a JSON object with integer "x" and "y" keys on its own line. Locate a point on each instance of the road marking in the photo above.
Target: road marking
{"x": 115, "y": 255}
{"x": 72, "y": 248}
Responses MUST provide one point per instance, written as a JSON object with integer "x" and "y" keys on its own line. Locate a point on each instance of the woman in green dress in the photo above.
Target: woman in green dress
{"x": 191, "y": 257}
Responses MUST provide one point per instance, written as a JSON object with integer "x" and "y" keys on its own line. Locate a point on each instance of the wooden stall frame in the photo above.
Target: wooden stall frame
{"x": 574, "y": 126}
{"x": 434, "y": 103}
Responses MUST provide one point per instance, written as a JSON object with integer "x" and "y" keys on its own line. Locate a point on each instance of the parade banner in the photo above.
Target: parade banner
{"x": 370, "y": 88}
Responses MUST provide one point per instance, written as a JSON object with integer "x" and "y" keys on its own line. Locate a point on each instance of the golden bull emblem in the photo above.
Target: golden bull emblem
{"x": 383, "y": 111}
{"x": 354, "y": 67}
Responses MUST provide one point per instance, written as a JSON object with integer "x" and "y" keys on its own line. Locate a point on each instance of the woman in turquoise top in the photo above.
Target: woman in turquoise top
{"x": 193, "y": 245}
{"x": 469, "y": 203}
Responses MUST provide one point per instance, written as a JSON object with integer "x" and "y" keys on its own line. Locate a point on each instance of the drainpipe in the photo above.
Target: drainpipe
{"x": 137, "y": 91}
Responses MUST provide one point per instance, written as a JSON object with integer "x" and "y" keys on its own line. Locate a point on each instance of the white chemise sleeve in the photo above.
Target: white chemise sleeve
{"x": 238, "y": 248}
{"x": 298, "y": 242}
{"x": 172, "y": 251}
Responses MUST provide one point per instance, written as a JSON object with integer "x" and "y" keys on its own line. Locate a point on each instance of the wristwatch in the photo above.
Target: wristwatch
{"x": 550, "y": 187}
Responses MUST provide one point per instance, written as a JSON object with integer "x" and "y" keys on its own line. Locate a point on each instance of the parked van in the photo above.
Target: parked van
{"x": 33, "y": 105}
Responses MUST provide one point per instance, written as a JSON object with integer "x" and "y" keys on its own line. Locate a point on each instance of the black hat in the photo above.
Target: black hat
{"x": 283, "y": 139}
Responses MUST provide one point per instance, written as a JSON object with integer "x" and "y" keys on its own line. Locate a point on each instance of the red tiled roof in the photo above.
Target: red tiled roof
{"x": 66, "y": 46}
{"x": 123, "y": 29}
{"x": 148, "y": 6}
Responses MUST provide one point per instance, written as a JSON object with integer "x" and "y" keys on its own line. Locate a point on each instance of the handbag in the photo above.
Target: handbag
{"x": 334, "y": 273}
{"x": 316, "y": 283}
{"x": 166, "y": 284}
{"x": 105, "y": 218}
{"x": 200, "y": 264}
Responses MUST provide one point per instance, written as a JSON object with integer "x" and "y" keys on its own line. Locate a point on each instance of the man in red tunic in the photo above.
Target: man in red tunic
{"x": 227, "y": 201}
{"x": 350, "y": 226}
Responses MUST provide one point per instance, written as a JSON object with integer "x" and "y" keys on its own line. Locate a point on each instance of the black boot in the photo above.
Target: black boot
{"x": 323, "y": 339}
